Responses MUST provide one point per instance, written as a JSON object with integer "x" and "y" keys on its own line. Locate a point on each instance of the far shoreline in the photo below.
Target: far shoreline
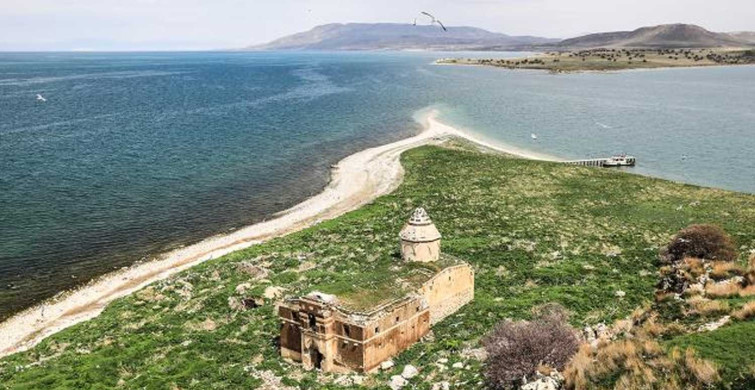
{"x": 613, "y": 60}
{"x": 594, "y": 71}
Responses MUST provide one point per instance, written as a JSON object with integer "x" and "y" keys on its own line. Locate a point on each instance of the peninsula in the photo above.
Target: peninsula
{"x": 613, "y": 59}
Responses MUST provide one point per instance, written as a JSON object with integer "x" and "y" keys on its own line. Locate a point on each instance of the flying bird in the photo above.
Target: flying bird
{"x": 433, "y": 20}
{"x": 533, "y": 136}
{"x": 40, "y": 98}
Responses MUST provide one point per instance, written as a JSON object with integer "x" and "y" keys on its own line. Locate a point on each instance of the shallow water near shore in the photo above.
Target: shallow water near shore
{"x": 135, "y": 154}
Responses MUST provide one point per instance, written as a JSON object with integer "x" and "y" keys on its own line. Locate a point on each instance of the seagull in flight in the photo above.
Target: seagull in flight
{"x": 40, "y": 98}
{"x": 434, "y": 20}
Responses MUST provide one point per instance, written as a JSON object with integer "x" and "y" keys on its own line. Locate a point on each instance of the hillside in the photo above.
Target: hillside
{"x": 747, "y": 36}
{"x": 662, "y": 36}
{"x": 535, "y": 232}
{"x": 390, "y": 36}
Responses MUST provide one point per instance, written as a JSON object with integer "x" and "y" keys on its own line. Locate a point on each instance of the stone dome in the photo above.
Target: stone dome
{"x": 420, "y": 228}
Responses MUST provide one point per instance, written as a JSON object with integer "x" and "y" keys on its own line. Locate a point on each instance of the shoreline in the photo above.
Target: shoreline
{"x": 355, "y": 181}
{"x": 595, "y": 71}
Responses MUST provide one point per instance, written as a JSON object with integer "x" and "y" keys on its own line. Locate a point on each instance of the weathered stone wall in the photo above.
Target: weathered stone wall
{"x": 448, "y": 291}
{"x": 290, "y": 340}
{"x": 400, "y": 327}
{"x": 395, "y": 339}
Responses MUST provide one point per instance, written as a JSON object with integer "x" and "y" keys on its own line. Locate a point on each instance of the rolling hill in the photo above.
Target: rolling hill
{"x": 747, "y": 36}
{"x": 662, "y": 36}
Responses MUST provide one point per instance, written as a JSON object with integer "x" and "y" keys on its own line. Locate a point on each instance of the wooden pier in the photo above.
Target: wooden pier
{"x": 615, "y": 161}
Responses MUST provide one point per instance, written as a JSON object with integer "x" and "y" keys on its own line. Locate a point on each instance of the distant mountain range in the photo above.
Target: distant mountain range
{"x": 392, "y": 36}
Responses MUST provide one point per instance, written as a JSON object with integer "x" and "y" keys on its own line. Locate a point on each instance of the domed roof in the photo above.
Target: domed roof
{"x": 420, "y": 228}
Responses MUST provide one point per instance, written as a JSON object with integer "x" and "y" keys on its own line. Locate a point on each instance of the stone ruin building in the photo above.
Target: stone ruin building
{"x": 321, "y": 333}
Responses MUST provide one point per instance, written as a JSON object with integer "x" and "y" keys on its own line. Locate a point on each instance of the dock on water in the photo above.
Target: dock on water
{"x": 613, "y": 161}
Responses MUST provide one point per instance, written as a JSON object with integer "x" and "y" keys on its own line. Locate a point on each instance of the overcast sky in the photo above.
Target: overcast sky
{"x": 217, "y": 24}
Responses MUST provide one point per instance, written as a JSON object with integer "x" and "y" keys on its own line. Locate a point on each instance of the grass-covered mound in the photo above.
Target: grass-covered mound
{"x": 535, "y": 232}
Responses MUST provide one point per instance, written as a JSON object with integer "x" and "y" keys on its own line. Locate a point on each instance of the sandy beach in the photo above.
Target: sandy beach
{"x": 355, "y": 181}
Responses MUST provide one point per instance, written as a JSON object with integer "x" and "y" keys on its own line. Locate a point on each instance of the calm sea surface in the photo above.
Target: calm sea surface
{"x": 136, "y": 154}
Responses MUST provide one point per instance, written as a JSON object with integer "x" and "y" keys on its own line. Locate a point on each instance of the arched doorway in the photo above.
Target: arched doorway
{"x": 315, "y": 357}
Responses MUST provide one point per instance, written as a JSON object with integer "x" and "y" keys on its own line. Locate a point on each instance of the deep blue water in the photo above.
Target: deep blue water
{"x": 135, "y": 154}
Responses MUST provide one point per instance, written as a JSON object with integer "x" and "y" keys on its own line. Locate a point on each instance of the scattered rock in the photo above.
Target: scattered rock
{"x": 397, "y": 382}
{"x": 209, "y": 325}
{"x": 270, "y": 381}
{"x": 553, "y": 381}
{"x": 715, "y": 324}
{"x": 235, "y": 304}
{"x": 252, "y": 270}
{"x": 306, "y": 266}
{"x": 185, "y": 290}
{"x": 475, "y": 353}
{"x": 610, "y": 250}
{"x": 343, "y": 381}
{"x": 620, "y": 293}
{"x": 273, "y": 292}
{"x": 443, "y": 361}
{"x": 458, "y": 365}
{"x": 386, "y": 365}
{"x": 409, "y": 372}
{"x": 601, "y": 330}
{"x": 441, "y": 386}
{"x": 241, "y": 288}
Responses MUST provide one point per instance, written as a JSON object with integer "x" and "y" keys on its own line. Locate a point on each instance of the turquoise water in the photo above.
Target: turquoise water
{"x": 135, "y": 154}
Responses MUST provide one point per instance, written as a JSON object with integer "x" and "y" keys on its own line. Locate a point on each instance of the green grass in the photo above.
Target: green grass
{"x": 535, "y": 232}
{"x": 731, "y": 347}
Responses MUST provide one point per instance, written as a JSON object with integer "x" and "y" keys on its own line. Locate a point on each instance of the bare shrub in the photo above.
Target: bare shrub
{"x": 638, "y": 364}
{"x": 747, "y": 291}
{"x": 576, "y": 373}
{"x": 694, "y": 266}
{"x": 725, "y": 269}
{"x": 722, "y": 289}
{"x": 704, "y": 371}
{"x": 706, "y": 307}
{"x": 750, "y": 275}
{"x": 516, "y": 349}
{"x": 700, "y": 241}
{"x": 694, "y": 290}
{"x": 747, "y": 311}
{"x": 651, "y": 328}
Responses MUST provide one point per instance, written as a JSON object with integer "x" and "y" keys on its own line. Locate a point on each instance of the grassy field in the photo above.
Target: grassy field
{"x": 535, "y": 232}
{"x": 616, "y": 59}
